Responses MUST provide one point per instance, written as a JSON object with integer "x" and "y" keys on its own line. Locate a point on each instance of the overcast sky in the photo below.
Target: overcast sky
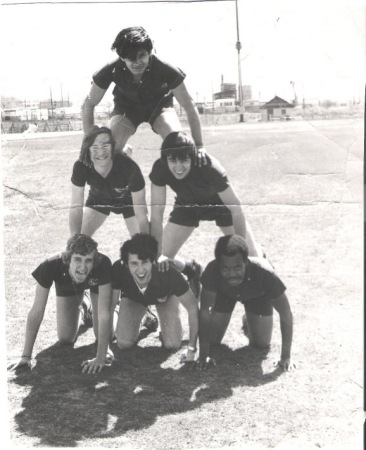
{"x": 320, "y": 45}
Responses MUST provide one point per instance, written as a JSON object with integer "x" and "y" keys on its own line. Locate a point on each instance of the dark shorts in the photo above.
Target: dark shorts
{"x": 190, "y": 216}
{"x": 141, "y": 114}
{"x": 104, "y": 207}
{"x": 261, "y": 306}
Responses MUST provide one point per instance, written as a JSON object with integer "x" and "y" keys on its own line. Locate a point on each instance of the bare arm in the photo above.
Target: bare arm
{"x": 34, "y": 320}
{"x": 76, "y": 209}
{"x": 282, "y": 306}
{"x": 105, "y": 319}
{"x": 158, "y": 201}
{"x": 208, "y": 299}
{"x": 186, "y": 101}
{"x": 92, "y": 100}
{"x": 140, "y": 208}
{"x": 190, "y": 303}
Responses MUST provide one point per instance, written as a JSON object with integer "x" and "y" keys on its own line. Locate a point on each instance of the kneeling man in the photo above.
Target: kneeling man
{"x": 78, "y": 268}
{"x": 137, "y": 283}
{"x": 232, "y": 277}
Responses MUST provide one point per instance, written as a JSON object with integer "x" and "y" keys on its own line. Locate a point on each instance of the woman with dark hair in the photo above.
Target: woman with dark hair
{"x": 116, "y": 185}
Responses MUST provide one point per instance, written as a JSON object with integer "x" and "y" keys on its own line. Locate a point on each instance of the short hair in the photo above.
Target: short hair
{"x": 81, "y": 244}
{"x": 231, "y": 245}
{"x": 143, "y": 245}
{"x": 177, "y": 145}
{"x": 88, "y": 141}
{"x": 130, "y": 41}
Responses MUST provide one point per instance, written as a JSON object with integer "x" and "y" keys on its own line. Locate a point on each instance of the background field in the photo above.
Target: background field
{"x": 301, "y": 187}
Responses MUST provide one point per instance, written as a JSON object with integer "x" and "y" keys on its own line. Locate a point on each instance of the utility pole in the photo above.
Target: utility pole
{"x": 238, "y": 47}
{"x": 51, "y": 102}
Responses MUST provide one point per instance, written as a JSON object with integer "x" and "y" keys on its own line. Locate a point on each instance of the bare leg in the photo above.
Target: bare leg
{"x": 92, "y": 220}
{"x": 218, "y": 326}
{"x": 68, "y": 317}
{"x": 122, "y": 129}
{"x": 170, "y": 323}
{"x": 174, "y": 236}
{"x": 129, "y": 322}
{"x": 132, "y": 225}
{"x": 167, "y": 122}
{"x": 260, "y": 329}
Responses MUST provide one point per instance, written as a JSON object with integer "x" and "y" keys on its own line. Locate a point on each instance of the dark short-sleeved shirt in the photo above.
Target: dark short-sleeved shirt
{"x": 161, "y": 286}
{"x": 259, "y": 287}
{"x": 157, "y": 82}
{"x": 200, "y": 187}
{"x": 125, "y": 177}
{"x": 54, "y": 270}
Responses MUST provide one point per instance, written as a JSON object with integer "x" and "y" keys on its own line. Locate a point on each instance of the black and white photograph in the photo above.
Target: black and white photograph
{"x": 182, "y": 216}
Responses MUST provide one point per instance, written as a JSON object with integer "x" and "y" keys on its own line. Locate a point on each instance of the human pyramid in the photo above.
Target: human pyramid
{"x": 149, "y": 270}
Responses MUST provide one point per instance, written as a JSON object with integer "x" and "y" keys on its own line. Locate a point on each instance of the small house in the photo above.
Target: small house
{"x": 276, "y": 109}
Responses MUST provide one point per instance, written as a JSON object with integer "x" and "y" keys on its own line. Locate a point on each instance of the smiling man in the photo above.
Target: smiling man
{"x": 234, "y": 277}
{"x": 78, "y": 268}
{"x": 137, "y": 283}
{"x": 143, "y": 92}
{"x": 202, "y": 193}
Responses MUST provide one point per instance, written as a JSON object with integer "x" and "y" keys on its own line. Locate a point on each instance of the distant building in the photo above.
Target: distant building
{"x": 18, "y": 114}
{"x": 247, "y": 92}
{"x": 277, "y": 109}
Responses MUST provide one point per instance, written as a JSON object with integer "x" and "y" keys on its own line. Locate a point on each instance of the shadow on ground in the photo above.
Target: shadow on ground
{"x": 65, "y": 406}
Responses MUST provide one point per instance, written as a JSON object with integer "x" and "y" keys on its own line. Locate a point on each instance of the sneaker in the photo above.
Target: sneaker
{"x": 86, "y": 311}
{"x": 127, "y": 150}
{"x": 194, "y": 280}
{"x": 150, "y": 321}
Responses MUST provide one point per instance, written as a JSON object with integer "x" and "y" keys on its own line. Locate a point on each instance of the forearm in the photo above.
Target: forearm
{"x": 31, "y": 331}
{"x": 193, "y": 326}
{"x": 286, "y": 324}
{"x": 204, "y": 334}
{"x": 104, "y": 336}
{"x": 87, "y": 116}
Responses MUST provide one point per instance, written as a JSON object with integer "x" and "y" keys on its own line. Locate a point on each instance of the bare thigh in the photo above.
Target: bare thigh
{"x": 218, "y": 325}
{"x": 132, "y": 225}
{"x": 174, "y": 236}
{"x": 122, "y": 129}
{"x": 68, "y": 317}
{"x": 167, "y": 123}
{"x": 260, "y": 329}
{"x": 170, "y": 323}
{"x": 129, "y": 322}
{"x": 92, "y": 220}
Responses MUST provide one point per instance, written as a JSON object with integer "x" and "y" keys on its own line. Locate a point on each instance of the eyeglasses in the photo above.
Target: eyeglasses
{"x": 95, "y": 148}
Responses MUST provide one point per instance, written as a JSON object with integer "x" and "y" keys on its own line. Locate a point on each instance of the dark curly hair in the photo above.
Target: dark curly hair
{"x": 88, "y": 141}
{"x": 143, "y": 245}
{"x": 130, "y": 41}
{"x": 81, "y": 244}
{"x": 177, "y": 145}
{"x": 231, "y": 245}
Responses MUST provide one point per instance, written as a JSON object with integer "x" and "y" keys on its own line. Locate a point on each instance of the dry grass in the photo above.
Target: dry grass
{"x": 301, "y": 188}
